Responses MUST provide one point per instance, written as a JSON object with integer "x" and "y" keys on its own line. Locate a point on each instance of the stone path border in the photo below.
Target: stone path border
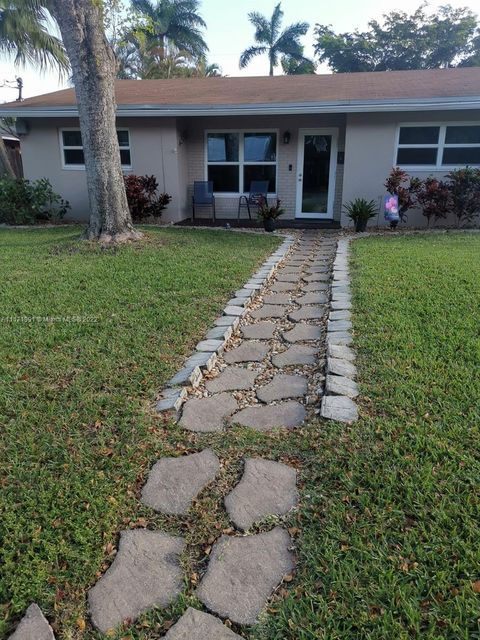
{"x": 203, "y": 359}
{"x": 340, "y": 387}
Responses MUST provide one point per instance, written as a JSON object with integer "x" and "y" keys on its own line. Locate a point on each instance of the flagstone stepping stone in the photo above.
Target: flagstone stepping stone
{"x": 243, "y": 572}
{"x": 283, "y": 386}
{"x": 198, "y": 625}
{"x": 341, "y": 367}
{"x": 269, "y": 311}
{"x": 341, "y": 386}
{"x": 318, "y": 269}
{"x": 264, "y": 417}
{"x": 313, "y": 312}
{"x": 207, "y": 414}
{"x": 248, "y": 351}
{"x": 259, "y": 331}
{"x": 146, "y": 573}
{"x": 277, "y": 298}
{"x": 291, "y": 268}
{"x": 316, "y": 297}
{"x": 312, "y": 287}
{"x": 339, "y": 408}
{"x": 303, "y": 332}
{"x": 232, "y": 379}
{"x": 174, "y": 482}
{"x": 317, "y": 277}
{"x": 280, "y": 287}
{"x": 267, "y": 488}
{"x": 298, "y": 264}
{"x": 33, "y": 626}
{"x": 340, "y": 351}
{"x": 287, "y": 277}
{"x": 298, "y": 354}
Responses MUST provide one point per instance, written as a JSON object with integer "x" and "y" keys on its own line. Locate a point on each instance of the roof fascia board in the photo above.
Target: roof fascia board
{"x": 364, "y": 106}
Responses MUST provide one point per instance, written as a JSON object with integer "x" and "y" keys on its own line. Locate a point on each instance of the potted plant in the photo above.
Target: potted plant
{"x": 360, "y": 211}
{"x": 269, "y": 213}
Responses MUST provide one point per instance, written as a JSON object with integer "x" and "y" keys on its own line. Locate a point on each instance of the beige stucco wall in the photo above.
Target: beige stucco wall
{"x": 227, "y": 207}
{"x": 154, "y": 150}
{"x": 370, "y": 154}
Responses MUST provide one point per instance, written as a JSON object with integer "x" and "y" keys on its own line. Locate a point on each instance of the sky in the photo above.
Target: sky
{"x": 229, "y": 32}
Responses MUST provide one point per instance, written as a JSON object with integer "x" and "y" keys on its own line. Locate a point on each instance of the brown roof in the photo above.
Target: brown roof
{"x": 341, "y": 87}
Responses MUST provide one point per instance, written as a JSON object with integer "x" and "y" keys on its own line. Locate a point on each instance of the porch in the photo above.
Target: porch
{"x": 301, "y": 157}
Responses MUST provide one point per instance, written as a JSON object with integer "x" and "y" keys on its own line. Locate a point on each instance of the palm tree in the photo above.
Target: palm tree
{"x": 24, "y": 36}
{"x": 272, "y": 41}
{"x": 168, "y": 23}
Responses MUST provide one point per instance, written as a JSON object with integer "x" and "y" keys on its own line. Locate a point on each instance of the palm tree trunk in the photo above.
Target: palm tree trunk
{"x": 6, "y": 168}
{"x": 93, "y": 71}
{"x": 271, "y": 65}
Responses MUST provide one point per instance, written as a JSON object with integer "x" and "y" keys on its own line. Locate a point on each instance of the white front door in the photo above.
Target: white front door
{"x": 316, "y": 169}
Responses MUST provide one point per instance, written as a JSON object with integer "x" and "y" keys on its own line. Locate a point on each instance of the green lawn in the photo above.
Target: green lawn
{"x": 77, "y": 427}
{"x": 390, "y": 540}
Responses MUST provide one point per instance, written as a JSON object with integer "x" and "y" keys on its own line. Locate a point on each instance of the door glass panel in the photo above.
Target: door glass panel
{"x": 316, "y": 173}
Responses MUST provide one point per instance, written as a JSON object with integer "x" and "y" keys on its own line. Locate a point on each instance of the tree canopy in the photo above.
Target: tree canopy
{"x": 160, "y": 39}
{"x": 449, "y": 37}
{"x": 270, "y": 40}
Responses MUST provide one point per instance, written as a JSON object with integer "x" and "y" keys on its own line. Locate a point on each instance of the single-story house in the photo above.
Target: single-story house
{"x": 319, "y": 140}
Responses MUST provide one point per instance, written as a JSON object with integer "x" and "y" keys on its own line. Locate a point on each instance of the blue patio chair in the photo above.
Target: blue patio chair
{"x": 203, "y": 196}
{"x": 257, "y": 195}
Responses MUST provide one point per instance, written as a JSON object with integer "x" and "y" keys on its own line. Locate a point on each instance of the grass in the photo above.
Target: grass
{"x": 78, "y": 429}
{"x": 387, "y": 532}
{"x": 390, "y": 520}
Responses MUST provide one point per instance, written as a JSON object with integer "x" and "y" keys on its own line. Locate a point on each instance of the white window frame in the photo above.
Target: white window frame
{"x": 81, "y": 167}
{"x": 440, "y": 146}
{"x": 241, "y": 161}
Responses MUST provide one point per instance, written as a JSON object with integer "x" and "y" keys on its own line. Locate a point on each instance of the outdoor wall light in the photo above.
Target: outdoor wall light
{"x": 286, "y": 137}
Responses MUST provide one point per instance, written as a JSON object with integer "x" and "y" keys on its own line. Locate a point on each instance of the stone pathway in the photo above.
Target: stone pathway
{"x": 271, "y": 365}
{"x": 260, "y": 367}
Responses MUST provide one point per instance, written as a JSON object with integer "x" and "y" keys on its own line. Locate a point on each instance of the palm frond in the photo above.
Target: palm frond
{"x": 144, "y": 7}
{"x": 276, "y": 22}
{"x": 24, "y": 35}
{"x": 251, "y": 53}
{"x": 262, "y": 27}
{"x": 292, "y": 34}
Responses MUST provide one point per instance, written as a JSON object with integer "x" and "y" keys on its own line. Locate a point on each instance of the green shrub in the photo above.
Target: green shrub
{"x": 27, "y": 202}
